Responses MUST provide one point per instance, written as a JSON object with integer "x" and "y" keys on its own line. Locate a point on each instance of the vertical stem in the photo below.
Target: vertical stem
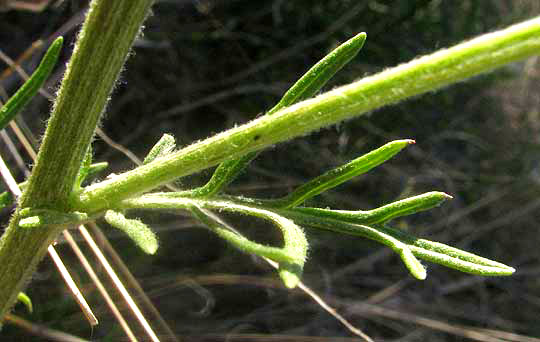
{"x": 100, "y": 52}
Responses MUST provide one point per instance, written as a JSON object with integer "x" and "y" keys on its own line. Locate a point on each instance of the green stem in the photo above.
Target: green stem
{"x": 411, "y": 79}
{"x": 103, "y": 45}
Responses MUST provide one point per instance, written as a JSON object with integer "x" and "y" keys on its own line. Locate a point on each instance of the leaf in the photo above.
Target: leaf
{"x": 23, "y": 298}
{"x": 30, "y": 88}
{"x": 291, "y": 257}
{"x": 84, "y": 169}
{"x": 408, "y": 206}
{"x": 449, "y": 256}
{"x": 137, "y": 231}
{"x": 6, "y": 198}
{"x": 165, "y": 145}
{"x": 316, "y": 77}
{"x": 238, "y": 240}
{"x": 420, "y": 248}
{"x": 96, "y": 168}
{"x": 341, "y": 174}
{"x": 307, "y": 86}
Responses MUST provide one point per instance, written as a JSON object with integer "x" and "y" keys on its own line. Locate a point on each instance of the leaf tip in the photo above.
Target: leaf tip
{"x": 59, "y": 41}
{"x": 23, "y": 298}
{"x": 509, "y": 271}
{"x": 360, "y": 38}
{"x": 447, "y": 196}
{"x": 150, "y": 246}
{"x": 420, "y": 273}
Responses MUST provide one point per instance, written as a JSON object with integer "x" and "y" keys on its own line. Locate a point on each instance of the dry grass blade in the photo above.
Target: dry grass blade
{"x": 473, "y": 333}
{"x": 102, "y": 290}
{"x": 327, "y": 307}
{"x": 119, "y": 285}
{"x": 41, "y": 331}
{"x": 134, "y": 284}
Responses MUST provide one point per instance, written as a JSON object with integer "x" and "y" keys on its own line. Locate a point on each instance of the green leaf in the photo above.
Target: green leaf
{"x": 291, "y": 257}
{"x": 85, "y": 168}
{"x": 408, "y": 206}
{"x": 307, "y": 86}
{"x": 449, "y": 256}
{"x": 407, "y": 246}
{"x": 420, "y": 248}
{"x": 316, "y": 77}
{"x": 137, "y": 231}
{"x": 238, "y": 240}
{"x": 6, "y": 198}
{"x": 96, "y": 168}
{"x": 165, "y": 145}
{"x": 341, "y": 174}
{"x": 30, "y": 88}
{"x": 23, "y": 298}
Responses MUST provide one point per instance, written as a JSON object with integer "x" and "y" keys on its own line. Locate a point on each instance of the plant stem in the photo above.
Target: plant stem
{"x": 101, "y": 50}
{"x": 411, "y": 79}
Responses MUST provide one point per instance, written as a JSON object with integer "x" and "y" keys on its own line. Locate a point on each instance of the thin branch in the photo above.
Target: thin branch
{"x": 419, "y": 76}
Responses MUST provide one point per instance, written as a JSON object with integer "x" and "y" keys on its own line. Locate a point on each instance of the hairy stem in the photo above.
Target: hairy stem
{"x": 411, "y": 79}
{"x": 102, "y": 47}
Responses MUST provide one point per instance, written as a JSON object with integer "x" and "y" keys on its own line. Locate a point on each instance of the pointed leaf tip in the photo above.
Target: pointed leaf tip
{"x": 164, "y": 146}
{"x": 447, "y": 196}
{"x": 58, "y": 42}
{"x": 342, "y": 173}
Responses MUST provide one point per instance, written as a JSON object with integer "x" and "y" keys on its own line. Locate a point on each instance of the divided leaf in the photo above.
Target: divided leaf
{"x": 408, "y": 247}
{"x": 137, "y": 231}
{"x": 449, "y": 256}
{"x": 420, "y": 248}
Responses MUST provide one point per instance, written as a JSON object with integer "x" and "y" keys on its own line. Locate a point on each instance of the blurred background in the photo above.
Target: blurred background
{"x": 201, "y": 67}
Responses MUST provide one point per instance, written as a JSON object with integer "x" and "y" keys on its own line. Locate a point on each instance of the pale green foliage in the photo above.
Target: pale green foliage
{"x": 100, "y": 52}
{"x": 137, "y": 231}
